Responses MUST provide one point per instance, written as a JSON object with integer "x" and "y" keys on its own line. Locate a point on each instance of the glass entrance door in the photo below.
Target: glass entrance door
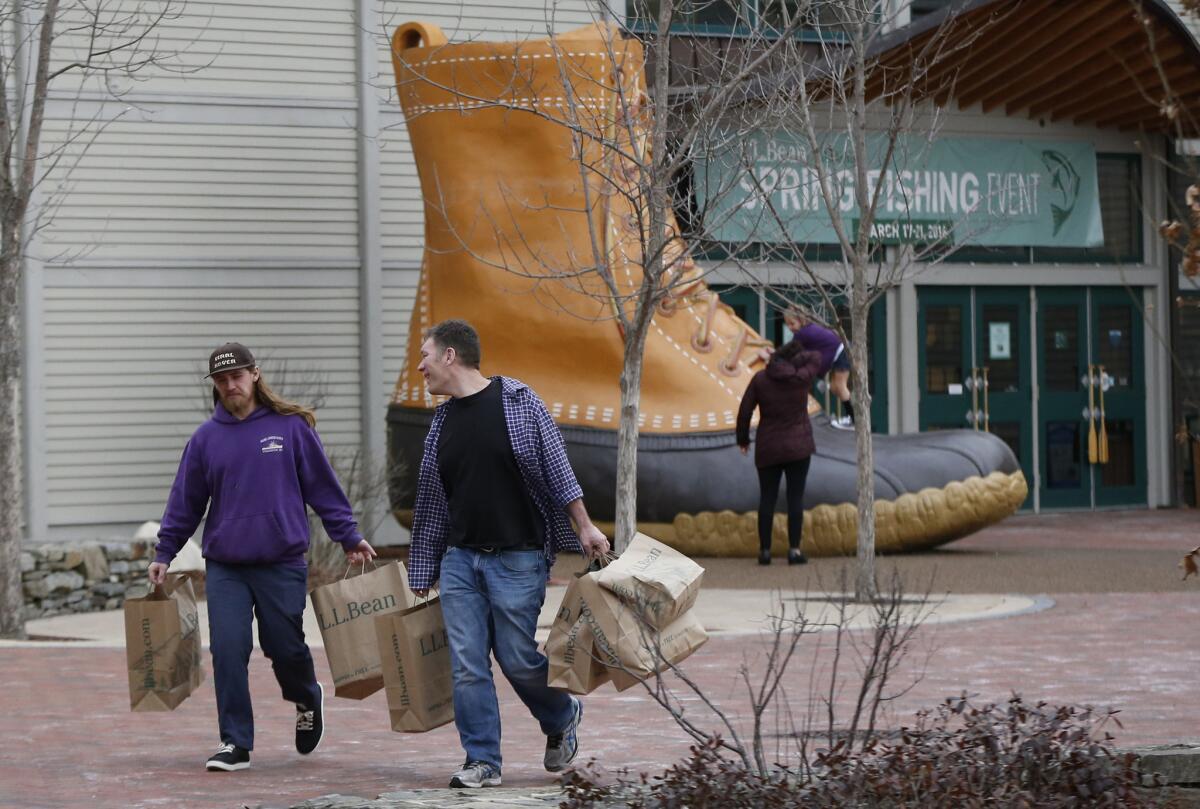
{"x": 1117, "y": 352}
{"x": 975, "y": 364}
{"x": 1063, "y": 399}
{"x": 1091, "y": 404}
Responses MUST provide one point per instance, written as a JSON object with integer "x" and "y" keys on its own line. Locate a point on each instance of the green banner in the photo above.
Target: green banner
{"x": 953, "y": 190}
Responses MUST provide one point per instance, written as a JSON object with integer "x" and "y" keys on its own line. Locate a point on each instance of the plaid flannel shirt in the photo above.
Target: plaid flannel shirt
{"x": 545, "y": 470}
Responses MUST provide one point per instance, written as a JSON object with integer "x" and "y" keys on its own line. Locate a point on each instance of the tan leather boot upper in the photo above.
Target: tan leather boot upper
{"x": 522, "y": 204}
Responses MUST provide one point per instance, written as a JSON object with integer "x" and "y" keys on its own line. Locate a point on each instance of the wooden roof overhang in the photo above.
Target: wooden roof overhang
{"x": 1122, "y": 64}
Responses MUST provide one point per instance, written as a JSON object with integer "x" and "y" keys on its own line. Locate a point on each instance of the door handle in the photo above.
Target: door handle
{"x": 972, "y": 382}
{"x": 1103, "y": 454}
{"x": 1093, "y": 446}
{"x": 987, "y": 413}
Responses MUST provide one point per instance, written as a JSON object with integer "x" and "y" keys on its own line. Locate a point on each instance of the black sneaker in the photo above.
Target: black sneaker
{"x": 561, "y": 748}
{"x": 796, "y": 557}
{"x": 476, "y": 774}
{"x": 310, "y": 724}
{"x": 229, "y": 757}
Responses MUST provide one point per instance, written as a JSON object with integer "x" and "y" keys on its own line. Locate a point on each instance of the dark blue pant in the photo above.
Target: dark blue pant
{"x": 275, "y": 595}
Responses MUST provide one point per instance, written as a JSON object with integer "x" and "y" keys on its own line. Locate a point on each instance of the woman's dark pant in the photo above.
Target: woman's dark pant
{"x": 275, "y": 595}
{"x": 768, "y": 484}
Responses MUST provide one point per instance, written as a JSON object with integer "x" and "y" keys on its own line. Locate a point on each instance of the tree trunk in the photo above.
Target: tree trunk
{"x": 864, "y": 580}
{"x": 12, "y": 601}
{"x": 627, "y": 435}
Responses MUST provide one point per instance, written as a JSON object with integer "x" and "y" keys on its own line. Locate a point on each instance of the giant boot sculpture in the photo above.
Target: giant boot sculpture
{"x": 516, "y": 197}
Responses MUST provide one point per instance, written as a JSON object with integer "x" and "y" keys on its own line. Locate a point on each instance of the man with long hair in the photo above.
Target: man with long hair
{"x": 255, "y": 466}
{"x": 496, "y": 497}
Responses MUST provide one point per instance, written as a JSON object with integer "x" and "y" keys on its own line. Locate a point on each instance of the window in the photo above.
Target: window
{"x": 919, "y": 8}
{"x": 761, "y": 17}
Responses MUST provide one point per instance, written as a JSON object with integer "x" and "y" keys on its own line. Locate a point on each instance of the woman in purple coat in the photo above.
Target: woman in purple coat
{"x": 784, "y": 441}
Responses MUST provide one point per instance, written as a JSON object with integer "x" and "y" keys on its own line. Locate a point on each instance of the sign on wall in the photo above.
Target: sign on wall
{"x": 954, "y": 190}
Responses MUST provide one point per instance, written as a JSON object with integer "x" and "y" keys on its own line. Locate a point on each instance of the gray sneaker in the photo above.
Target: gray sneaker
{"x": 476, "y": 774}
{"x": 562, "y": 747}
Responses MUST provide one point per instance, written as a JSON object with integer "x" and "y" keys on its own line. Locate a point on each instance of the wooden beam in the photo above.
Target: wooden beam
{"x": 1000, "y": 49}
{"x": 1105, "y": 97}
{"x": 1068, "y": 98}
{"x": 984, "y": 52}
{"x": 1146, "y": 111}
{"x": 1028, "y": 52}
{"x": 1031, "y": 82}
{"x": 1052, "y": 80}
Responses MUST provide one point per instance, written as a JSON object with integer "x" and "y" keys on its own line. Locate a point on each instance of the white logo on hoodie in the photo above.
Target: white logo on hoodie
{"x": 272, "y": 443}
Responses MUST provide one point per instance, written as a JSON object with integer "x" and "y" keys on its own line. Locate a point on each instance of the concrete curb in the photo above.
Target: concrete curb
{"x": 724, "y": 613}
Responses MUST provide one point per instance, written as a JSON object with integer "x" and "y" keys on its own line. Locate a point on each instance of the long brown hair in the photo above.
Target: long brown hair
{"x": 269, "y": 398}
{"x": 273, "y": 400}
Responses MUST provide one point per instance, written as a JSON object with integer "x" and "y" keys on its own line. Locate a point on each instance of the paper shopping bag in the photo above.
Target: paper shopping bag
{"x": 346, "y": 612}
{"x": 573, "y": 663}
{"x": 415, "y": 656}
{"x": 627, "y": 643}
{"x": 162, "y": 646}
{"x": 656, "y": 580}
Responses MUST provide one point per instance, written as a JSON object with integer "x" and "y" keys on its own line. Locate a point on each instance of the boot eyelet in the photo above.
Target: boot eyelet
{"x": 703, "y": 348}
{"x": 729, "y": 370}
{"x": 666, "y": 307}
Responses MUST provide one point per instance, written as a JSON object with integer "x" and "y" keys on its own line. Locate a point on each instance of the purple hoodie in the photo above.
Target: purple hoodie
{"x": 822, "y": 340}
{"x": 259, "y": 474}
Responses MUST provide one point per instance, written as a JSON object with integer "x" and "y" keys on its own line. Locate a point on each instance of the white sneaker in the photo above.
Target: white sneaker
{"x": 476, "y": 774}
{"x": 842, "y": 423}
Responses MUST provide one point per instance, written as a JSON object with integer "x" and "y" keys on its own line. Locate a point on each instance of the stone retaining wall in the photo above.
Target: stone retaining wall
{"x": 62, "y": 579}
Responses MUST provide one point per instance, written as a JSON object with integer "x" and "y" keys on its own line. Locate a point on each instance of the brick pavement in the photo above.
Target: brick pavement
{"x": 69, "y": 739}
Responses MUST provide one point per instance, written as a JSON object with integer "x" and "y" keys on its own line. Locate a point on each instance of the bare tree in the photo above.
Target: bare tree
{"x": 50, "y": 50}
{"x": 860, "y": 658}
{"x": 850, "y": 109}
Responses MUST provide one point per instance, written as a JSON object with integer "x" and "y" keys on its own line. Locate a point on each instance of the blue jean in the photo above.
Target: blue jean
{"x": 491, "y": 603}
{"x": 275, "y": 595}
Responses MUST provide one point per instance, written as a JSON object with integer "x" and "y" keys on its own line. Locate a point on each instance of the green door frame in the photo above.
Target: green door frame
{"x": 1078, "y": 328}
{"x": 952, "y": 393}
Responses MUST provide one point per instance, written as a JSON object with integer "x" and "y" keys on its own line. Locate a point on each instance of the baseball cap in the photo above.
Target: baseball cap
{"x": 229, "y": 357}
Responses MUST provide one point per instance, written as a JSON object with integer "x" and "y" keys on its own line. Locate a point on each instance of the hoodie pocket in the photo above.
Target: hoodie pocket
{"x": 252, "y": 538}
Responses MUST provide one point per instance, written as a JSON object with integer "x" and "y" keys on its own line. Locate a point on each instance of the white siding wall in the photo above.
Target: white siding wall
{"x": 123, "y": 367}
{"x": 264, "y": 48}
{"x": 177, "y": 191}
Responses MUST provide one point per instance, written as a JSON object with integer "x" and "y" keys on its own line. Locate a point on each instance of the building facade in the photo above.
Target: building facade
{"x": 270, "y": 197}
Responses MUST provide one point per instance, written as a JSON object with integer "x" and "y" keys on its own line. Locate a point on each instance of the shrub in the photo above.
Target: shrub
{"x": 956, "y": 756}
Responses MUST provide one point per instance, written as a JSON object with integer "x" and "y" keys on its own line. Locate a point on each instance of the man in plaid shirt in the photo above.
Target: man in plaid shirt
{"x": 494, "y": 493}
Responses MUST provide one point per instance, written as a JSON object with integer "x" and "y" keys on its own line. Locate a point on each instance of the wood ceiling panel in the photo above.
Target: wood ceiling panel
{"x": 1087, "y": 41}
{"x": 1077, "y": 90}
{"x": 1008, "y": 24}
{"x": 1105, "y": 96}
{"x": 1101, "y": 62}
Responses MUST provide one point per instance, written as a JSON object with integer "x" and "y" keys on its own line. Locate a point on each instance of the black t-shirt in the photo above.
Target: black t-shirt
{"x": 489, "y": 504}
